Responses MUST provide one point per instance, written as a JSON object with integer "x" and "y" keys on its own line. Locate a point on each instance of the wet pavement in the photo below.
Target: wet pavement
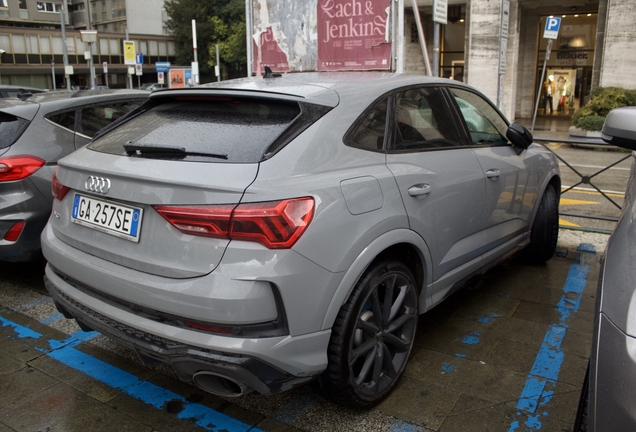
{"x": 507, "y": 355}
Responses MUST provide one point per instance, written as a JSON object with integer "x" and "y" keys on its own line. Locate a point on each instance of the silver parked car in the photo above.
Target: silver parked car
{"x": 260, "y": 233}
{"x": 607, "y": 402}
{"x": 35, "y": 131}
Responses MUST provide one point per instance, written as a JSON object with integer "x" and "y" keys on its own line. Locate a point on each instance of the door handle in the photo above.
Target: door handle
{"x": 419, "y": 189}
{"x": 492, "y": 174}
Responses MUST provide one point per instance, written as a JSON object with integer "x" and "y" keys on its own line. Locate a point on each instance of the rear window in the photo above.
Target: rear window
{"x": 11, "y": 127}
{"x": 240, "y": 130}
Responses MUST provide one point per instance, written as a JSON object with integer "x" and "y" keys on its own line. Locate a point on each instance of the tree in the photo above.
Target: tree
{"x": 218, "y": 22}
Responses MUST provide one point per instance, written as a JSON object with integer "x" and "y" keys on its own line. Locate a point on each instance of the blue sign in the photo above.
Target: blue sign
{"x": 188, "y": 76}
{"x": 552, "y": 25}
{"x": 162, "y": 67}
{"x": 139, "y": 58}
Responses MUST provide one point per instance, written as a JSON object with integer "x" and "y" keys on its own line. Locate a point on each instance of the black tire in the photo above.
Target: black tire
{"x": 372, "y": 337}
{"x": 545, "y": 230}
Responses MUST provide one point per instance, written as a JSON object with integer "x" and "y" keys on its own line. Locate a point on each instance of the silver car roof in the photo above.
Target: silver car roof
{"x": 57, "y": 100}
{"x": 321, "y": 88}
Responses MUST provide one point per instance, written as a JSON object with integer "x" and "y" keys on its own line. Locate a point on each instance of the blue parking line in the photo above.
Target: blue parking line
{"x": 151, "y": 394}
{"x": 36, "y": 302}
{"x": 402, "y": 426}
{"x": 51, "y": 318}
{"x": 538, "y": 390}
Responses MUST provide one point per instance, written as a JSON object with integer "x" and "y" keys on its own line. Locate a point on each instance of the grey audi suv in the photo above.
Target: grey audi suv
{"x": 260, "y": 233}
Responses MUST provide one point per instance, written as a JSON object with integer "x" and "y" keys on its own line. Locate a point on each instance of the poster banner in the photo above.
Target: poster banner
{"x": 177, "y": 78}
{"x": 270, "y": 54}
{"x": 353, "y": 35}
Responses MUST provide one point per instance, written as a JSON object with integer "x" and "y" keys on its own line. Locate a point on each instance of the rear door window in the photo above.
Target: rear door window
{"x": 65, "y": 119}
{"x": 218, "y": 129}
{"x": 94, "y": 118}
{"x": 11, "y": 127}
{"x": 423, "y": 121}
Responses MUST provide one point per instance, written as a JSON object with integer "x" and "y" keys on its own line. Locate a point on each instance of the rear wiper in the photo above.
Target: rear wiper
{"x": 165, "y": 152}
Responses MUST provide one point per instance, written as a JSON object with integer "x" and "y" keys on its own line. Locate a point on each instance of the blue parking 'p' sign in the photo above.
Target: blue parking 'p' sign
{"x": 552, "y": 25}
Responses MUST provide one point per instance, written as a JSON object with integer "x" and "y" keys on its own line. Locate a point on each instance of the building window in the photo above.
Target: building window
{"x": 48, "y": 7}
{"x": 4, "y": 3}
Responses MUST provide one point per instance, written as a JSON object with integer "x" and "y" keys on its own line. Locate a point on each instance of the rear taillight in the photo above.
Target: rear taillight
{"x": 57, "y": 188}
{"x": 274, "y": 224}
{"x": 19, "y": 167}
{"x": 14, "y": 232}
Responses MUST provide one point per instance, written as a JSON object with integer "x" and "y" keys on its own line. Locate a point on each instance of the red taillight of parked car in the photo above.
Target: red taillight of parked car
{"x": 14, "y": 168}
{"x": 57, "y": 188}
{"x": 14, "y": 232}
{"x": 274, "y": 224}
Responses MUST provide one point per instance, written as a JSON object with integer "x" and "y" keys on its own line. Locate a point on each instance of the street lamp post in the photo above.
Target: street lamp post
{"x": 1, "y": 52}
{"x": 90, "y": 36}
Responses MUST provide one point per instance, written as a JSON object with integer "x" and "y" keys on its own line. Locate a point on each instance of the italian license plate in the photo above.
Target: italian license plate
{"x": 108, "y": 217}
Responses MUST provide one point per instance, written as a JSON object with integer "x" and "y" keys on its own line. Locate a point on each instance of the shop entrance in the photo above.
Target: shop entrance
{"x": 568, "y": 76}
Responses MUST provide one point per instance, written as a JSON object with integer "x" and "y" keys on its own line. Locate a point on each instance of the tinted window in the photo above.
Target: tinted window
{"x": 423, "y": 120}
{"x": 65, "y": 119}
{"x": 369, "y": 131}
{"x": 485, "y": 125}
{"x": 97, "y": 117}
{"x": 11, "y": 127}
{"x": 239, "y": 129}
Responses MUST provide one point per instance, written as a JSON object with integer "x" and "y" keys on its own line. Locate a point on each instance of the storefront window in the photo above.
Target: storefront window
{"x": 567, "y": 78}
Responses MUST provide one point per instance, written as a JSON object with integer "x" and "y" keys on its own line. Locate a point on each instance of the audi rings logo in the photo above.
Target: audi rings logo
{"x": 97, "y": 184}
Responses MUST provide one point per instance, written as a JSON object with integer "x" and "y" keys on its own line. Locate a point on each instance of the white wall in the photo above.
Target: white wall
{"x": 144, "y": 17}
{"x": 619, "y": 52}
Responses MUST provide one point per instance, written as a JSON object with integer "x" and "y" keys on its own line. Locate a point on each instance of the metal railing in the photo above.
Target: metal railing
{"x": 587, "y": 180}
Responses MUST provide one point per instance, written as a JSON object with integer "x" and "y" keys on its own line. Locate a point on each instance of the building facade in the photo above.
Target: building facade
{"x": 596, "y": 45}
{"x": 33, "y": 47}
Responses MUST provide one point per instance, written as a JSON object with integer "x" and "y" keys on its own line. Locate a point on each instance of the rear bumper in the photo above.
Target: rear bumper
{"x": 21, "y": 201}
{"x": 187, "y": 360}
{"x": 267, "y": 365}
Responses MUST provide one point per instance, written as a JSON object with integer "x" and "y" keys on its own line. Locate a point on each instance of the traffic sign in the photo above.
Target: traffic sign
{"x": 552, "y": 25}
{"x": 440, "y": 11}
{"x": 139, "y": 69}
{"x": 139, "y": 58}
{"x": 162, "y": 67}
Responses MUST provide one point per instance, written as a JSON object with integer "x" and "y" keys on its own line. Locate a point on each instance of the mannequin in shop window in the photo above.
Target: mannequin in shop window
{"x": 564, "y": 93}
{"x": 549, "y": 91}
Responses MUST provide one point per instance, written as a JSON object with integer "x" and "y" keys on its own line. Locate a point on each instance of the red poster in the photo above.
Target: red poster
{"x": 352, "y": 35}
{"x": 270, "y": 54}
{"x": 177, "y": 78}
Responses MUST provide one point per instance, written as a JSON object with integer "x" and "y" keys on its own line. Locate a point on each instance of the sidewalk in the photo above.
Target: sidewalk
{"x": 548, "y": 126}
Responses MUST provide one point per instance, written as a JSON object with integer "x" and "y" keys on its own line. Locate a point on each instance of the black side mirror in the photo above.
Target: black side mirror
{"x": 620, "y": 128}
{"x": 519, "y": 136}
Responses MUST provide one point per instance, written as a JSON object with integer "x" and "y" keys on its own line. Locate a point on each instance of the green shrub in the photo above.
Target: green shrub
{"x": 591, "y": 123}
{"x": 601, "y": 101}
